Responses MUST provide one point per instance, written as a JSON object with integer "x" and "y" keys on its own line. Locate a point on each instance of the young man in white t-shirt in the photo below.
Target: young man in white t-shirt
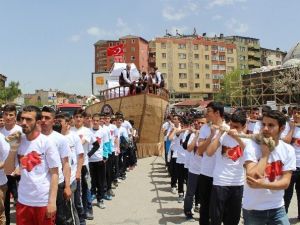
{"x": 253, "y": 118}
{"x": 228, "y": 175}
{"x": 193, "y": 164}
{"x": 165, "y": 130}
{"x": 268, "y": 174}
{"x": 214, "y": 114}
{"x": 64, "y": 192}
{"x": 76, "y": 161}
{"x": 4, "y": 151}
{"x": 39, "y": 162}
{"x": 10, "y": 168}
{"x": 294, "y": 139}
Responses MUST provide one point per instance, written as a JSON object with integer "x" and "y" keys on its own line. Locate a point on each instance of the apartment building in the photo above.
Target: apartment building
{"x": 135, "y": 51}
{"x": 192, "y": 65}
{"x": 271, "y": 57}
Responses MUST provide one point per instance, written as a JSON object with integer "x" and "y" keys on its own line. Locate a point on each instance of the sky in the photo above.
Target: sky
{"x": 50, "y": 44}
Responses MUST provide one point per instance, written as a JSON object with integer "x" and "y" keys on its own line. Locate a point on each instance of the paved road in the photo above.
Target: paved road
{"x": 145, "y": 199}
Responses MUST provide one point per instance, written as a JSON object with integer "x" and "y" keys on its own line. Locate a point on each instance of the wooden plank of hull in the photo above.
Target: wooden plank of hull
{"x": 147, "y": 111}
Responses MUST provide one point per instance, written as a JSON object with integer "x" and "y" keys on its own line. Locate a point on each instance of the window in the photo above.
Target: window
{"x": 163, "y": 45}
{"x": 215, "y": 67}
{"x": 207, "y": 66}
{"x": 183, "y": 85}
{"x": 206, "y": 47}
{"x": 182, "y": 75}
{"x": 133, "y": 49}
{"x": 196, "y": 56}
{"x": 230, "y": 50}
{"x": 243, "y": 66}
{"x": 197, "y": 85}
{"x": 124, "y": 41}
{"x": 164, "y": 55}
{"x": 230, "y": 68}
{"x": 181, "y": 46}
{"x": 214, "y": 47}
{"x": 215, "y": 57}
{"x": 197, "y": 75}
{"x": 207, "y": 76}
{"x": 182, "y": 65}
{"x": 221, "y": 49}
{"x": 206, "y": 57}
{"x": 164, "y": 65}
{"x": 222, "y": 67}
{"x": 242, "y": 49}
{"x": 216, "y": 86}
{"x": 230, "y": 59}
{"x": 207, "y": 85}
{"x": 222, "y": 57}
{"x": 197, "y": 66}
{"x": 181, "y": 55}
{"x": 132, "y": 41}
{"x": 270, "y": 63}
{"x": 242, "y": 58}
{"x": 132, "y": 58}
{"x": 196, "y": 47}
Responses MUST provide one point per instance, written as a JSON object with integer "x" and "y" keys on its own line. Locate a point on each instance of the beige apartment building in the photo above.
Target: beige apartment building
{"x": 192, "y": 65}
{"x": 271, "y": 57}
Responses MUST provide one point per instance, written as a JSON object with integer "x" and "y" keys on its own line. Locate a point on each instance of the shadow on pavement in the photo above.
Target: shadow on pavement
{"x": 164, "y": 199}
{"x": 161, "y": 182}
{"x": 173, "y": 220}
{"x": 294, "y": 221}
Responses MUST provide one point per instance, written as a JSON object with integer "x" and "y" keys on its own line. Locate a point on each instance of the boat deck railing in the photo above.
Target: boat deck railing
{"x": 122, "y": 91}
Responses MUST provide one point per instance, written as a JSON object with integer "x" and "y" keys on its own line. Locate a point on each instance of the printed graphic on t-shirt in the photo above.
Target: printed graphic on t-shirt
{"x": 273, "y": 169}
{"x": 296, "y": 141}
{"x": 233, "y": 153}
{"x": 98, "y": 140}
{"x": 30, "y": 160}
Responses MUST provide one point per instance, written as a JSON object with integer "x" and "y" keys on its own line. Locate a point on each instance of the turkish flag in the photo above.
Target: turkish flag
{"x": 115, "y": 50}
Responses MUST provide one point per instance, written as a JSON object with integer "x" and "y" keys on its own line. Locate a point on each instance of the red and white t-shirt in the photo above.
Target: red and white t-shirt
{"x": 87, "y": 138}
{"x": 98, "y": 155}
{"x": 4, "y": 150}
{"x": 281, "y": 159}
{"x": 63, "y": 148}
{"x": 296, "y": 144}
{"x": 36, "y": 159}
{"x": 195, "y": 159}
{"x": 229, "y": 170}
{"x": 76, "y": 149}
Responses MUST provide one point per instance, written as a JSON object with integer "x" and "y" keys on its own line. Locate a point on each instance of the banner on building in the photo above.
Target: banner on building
{"x": 115, "y": 50}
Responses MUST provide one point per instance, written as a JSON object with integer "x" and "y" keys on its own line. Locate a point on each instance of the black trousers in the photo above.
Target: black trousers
{"x": 98, "y": 178}
{"x": 205, "y": 186}
{"x": 173, "y": 172}
{"x": 109, "y": 172}
{"x": 12, "y": 188}
{"x": 225, "y": 205}
{"x": 295, "y": 182}
{"x": 181, "y": 175}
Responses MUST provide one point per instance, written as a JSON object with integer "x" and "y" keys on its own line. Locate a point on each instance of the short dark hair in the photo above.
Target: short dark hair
{"x": 10, "y": 107}
{"x": 79, "y": 112}
{"x": 33, "y": 108}
{"x": 227, "y": 117}
{"x": 239, "y": 117}
{"x": 276, "y": 115}
{"x": 266, "y": 108}
{"x": 254, "y": 109}
{"x": 1, "y": 114}
{"x": 49, "y": 110}
{"x": 64, "y": 116}
{"x": 217, "y": 107}
{"x": 96, "y": 115}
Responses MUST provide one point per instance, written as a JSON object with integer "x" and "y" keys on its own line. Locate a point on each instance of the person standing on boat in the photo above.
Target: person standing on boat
{"x": 125, "y": 79}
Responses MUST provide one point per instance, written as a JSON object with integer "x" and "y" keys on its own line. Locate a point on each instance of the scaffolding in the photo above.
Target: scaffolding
{"x": 256, "y": 89}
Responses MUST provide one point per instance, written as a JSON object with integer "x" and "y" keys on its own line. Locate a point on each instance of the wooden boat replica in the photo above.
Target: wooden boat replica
{"x": 147, "y": 110}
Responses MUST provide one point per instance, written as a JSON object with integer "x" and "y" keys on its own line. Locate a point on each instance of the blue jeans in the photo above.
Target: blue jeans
{"x": 266, "y": 217}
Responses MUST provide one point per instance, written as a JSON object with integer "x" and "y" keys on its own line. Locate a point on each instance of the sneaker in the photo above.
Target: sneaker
{"x": 93, "y": 197}
{"x": 189, "y": 216}
{"x": 108, "y": 197}
{"x": 180, "y": 198}
{"x": 197, "y": 208}
{"x": 100, "y": 204}
{"x": 110, "y": 192}
{"x": 89, "y": 216}
{"x": 173, "y": 190}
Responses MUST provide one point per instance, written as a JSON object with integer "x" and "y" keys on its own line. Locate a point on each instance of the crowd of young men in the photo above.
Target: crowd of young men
{"x": 55, "y": 165}
{"x": 227, "y": 170}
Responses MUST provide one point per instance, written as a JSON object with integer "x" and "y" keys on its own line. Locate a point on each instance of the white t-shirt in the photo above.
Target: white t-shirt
{"x": 175, "y": 145}
{"x": 257, "y": 127}
{"x": 87, "y": 138}
{"x": 63, "y": 148}
{"x": 181, "y": 152}
{"x": 112, "y": 129}
{"x": 76, "y": 149}
{"x": 4, "y": 151}
{"x": 229, "y": 170}
{"x": 127, "y": 126}
{"x": 167, "y": 127}
{"x": 195, "y": 159}
{"x": 250, "y": 126}
{"x": 296, "y": 144}
{"x": 282, "y": 158}
{"x": 98, "y": 155}
{"x": 208, "y": 162}
{"x": 36, "y": 158}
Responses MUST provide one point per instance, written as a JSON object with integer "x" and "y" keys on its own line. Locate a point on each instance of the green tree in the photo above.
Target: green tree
{"x": 10, "y": 92}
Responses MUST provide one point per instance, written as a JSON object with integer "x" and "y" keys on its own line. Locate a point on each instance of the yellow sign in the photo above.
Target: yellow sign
{"x": 100, "y": 80}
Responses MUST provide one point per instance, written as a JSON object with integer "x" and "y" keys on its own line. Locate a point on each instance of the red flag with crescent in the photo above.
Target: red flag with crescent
{"x": 115, "y": 50}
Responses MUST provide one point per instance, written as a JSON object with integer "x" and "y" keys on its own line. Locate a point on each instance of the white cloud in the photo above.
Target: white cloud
{"x": 98, "y": 32}
{"x": 236, "y": 26}
{"x": 171, "y": 13}
{"x": 223, "y": 2}
{"x": 75, "y": 38}
{"x": 217, "y": 17}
